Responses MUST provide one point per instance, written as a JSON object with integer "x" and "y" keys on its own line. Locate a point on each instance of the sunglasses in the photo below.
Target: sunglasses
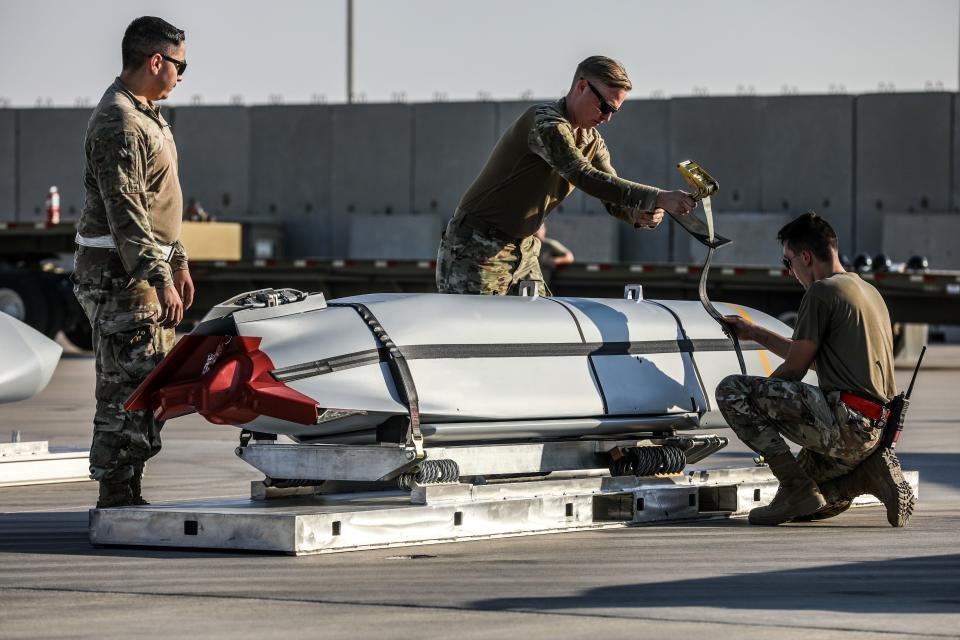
{"x": 788, "y": 263}
{"x": 605, "y": 107}
{"x": 181, "y": 65}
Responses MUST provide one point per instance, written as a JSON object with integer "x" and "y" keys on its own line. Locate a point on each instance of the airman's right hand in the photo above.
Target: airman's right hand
{"x": 676, "y": 202}
{"x": 742, "y": 326}
{"x": 171, "y": 307}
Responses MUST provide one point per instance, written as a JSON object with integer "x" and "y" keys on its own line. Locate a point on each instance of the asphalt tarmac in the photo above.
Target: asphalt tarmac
{"x": 850, "y": 577}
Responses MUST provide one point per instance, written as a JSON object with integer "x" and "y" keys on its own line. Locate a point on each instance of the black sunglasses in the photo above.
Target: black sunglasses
{"x": 180, "y": 64}
{"x": 605, "y": 107}
{"x": 788, "y": 263}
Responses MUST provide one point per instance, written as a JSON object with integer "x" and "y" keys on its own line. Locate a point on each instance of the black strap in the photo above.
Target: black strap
{"x": 705, "y": 301}
{"x": 402, "y": 378}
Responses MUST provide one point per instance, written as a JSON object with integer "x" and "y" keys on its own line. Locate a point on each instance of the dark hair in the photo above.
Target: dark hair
{"x": 146, "y": 36}
{"x": 812, "y": 233}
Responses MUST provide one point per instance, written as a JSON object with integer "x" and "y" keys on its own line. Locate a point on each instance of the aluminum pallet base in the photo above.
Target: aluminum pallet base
{"x": 437, "y": 513}
{"x": 23, "y": 463}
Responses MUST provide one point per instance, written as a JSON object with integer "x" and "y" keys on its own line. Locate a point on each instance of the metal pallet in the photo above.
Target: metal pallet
{"x": 23, "y": 463}
{"x": 438, "y": 513}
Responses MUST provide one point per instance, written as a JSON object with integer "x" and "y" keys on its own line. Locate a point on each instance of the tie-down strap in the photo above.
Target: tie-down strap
{"x": 402, "y": 378}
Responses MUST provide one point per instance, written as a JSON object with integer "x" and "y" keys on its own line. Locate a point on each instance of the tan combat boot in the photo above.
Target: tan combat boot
{"x": 135, "y": 483}
{"x": 837, "y": 501}
{"x": 114, "y": 494}
{"x": 797, "y": 495}
{"x": 880, "y": 475}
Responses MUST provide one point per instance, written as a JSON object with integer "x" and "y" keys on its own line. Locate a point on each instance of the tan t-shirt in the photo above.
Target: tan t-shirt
{"x": 537, "y": 163}
{"x": 849, "y": 321}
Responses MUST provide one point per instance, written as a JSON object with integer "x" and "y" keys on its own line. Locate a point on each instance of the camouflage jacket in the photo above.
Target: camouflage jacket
{"x": 132, "y": 185}
{"x": 538, "y": 162}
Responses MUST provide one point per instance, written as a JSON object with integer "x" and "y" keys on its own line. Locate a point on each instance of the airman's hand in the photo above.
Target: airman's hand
{"x": 677, "y": 202}
{"x": 648, "y": 219}
{"x": 743, "y": 327}
{"x": 171, "y": 307}
{"x": 183, "y": 283}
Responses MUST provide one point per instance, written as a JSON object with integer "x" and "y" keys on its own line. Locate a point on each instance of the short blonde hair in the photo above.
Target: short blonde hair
{"x": 605, "y": 70}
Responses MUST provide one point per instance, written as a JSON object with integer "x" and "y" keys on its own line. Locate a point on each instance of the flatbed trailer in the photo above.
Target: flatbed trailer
{"x": 35, "y": 268}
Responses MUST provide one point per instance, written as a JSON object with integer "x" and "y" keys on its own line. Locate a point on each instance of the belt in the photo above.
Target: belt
{"x": 486, "y": 228}
{"x": 868, "y": 408}
{"x": 106, "y": 242}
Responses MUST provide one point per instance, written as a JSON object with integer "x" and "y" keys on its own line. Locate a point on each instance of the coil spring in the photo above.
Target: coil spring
{"x": 430, "y": 472}
{"x": 649, "y": 461}
{"x": 291, "y": 483}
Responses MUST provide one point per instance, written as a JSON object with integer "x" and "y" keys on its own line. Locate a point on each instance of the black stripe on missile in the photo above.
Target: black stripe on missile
{"x": 534, "y": 350}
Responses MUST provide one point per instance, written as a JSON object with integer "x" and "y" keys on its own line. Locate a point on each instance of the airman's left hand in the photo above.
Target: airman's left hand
{"x": 648, "y": 219}
{"x": 184, "y": 285}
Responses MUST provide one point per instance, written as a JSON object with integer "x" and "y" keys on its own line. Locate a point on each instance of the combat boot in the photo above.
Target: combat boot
{"x": 114, "y": 494}
{"x": 837, "y": 501}
{"x": 880, "y": 475}
{"x": 136, "y": 481}
{"x": 797, "y": 495}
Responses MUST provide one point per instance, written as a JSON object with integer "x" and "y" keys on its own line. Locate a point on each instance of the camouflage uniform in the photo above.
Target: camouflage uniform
{"x": 470, "y": 261}
{"x": 763, "y": 411}
{"x": 488, "y": 246}
{"x": 132, "y": 198}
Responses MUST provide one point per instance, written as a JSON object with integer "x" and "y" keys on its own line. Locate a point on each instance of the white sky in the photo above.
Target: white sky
{"x": 292, "y": 51}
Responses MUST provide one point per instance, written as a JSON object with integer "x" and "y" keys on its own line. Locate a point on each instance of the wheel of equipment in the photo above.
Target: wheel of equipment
{"x": 55, "y": 288}
{"x": 22, "y": 296}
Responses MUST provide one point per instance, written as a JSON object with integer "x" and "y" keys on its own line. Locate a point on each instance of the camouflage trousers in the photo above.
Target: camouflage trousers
{"x": 128, "y": 344}
{"x": 469, "y": 261}
{"x": 763, "y": 411}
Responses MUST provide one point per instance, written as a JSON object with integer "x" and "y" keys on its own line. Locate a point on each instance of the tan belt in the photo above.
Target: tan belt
{"x": 106, "y": 242}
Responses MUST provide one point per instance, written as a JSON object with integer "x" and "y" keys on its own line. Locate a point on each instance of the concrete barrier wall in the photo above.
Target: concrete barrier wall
{"x": 807, "y": 160}
{"x": 290, "y": 149}
{"x": 639, "y": 142}
{"x": 854, "y": 159}
{"x": 928, "y": 234}
{"x": 903, "y": 159}
{"x": 451, "y": 142}
{"x": 50, "y": 152}
{"x": 395, "y": 236}
{"x": 591, "y": 238}
{"x": 8, "y": 165}
{"x": 214, "y": 148}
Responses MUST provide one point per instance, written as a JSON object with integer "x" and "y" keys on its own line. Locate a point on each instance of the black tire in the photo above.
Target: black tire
{"x": 77, "y": 329}
{"x": 55, "y": 289}
{"x": 24, "y": 295}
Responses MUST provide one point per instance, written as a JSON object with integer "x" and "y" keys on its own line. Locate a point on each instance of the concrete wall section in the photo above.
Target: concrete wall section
{"x": 724, "y": 136}
{"x": 932, "y": 235}
{"x": 395, "y": 236}
{"x": 371, "y": 164}
{"x": 639, "y": 143}
{"x": 754, "y": 238}
{"x": 50, "y": 152}
{"x": 214, "y": 148}
{"x": 903, "y": 159}
{"x": 807, "y": 159}
{"x": 451, "y": 143}
{"x": 8, "y": 165}
{"x": 290, "y": 150}
{"x": 591, "y": 238}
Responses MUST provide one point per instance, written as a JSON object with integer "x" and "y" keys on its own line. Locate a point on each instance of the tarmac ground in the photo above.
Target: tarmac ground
{"x": 849, "y": 577}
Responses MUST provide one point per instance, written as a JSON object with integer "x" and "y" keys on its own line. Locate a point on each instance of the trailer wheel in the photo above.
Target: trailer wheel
{"x": 78, "y": 331}
{"x": 22, "y": 296}
{"x": 55, "y": 289}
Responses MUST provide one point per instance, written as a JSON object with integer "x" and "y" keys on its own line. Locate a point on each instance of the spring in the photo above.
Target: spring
{"x": 284, "y": 483}
{"x": 649, "y": 461}
{"x": 430, "y": 472}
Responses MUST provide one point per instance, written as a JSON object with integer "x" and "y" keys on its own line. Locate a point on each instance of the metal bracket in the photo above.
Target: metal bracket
{"x": 633, "y": 292}
{"x": 528, "y": 289}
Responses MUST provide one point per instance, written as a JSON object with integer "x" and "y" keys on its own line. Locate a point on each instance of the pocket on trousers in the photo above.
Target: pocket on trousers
{"x": 132, "y": 339}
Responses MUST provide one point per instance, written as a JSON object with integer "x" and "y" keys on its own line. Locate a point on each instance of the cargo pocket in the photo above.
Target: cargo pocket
{"x": 860, "y": 435}
{"x": 132, "y": 341}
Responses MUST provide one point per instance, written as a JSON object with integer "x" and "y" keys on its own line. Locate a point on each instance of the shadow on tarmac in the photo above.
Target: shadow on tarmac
{"x": 65, "y": 533}
{"x": 935, "y": 468}
{"x": 926, "y": 584}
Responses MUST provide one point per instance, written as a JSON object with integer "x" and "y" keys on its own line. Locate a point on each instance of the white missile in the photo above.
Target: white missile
{"x": 461, "y": 368}
{"x": 29, "y": 360}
